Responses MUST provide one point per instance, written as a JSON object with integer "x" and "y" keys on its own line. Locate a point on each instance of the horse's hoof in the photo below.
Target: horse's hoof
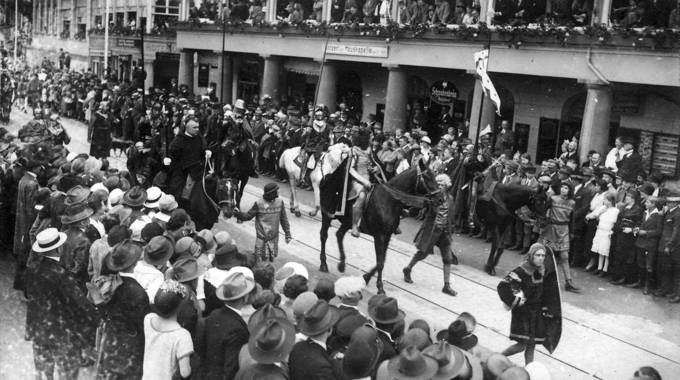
{"x": 298, "y": 213}
{"x": 381, "y": 291}
{"x": 491, "y": 271}
{"x": 341, "y": 267}
{"x": 239, "y": 221}
{"x": 313, "y": 213}
{"x": 323, "y": 268}
{"x": 367, "y": 278}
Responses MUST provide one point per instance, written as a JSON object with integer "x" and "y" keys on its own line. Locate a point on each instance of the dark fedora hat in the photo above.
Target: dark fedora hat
{"x": 458, "y": 335}
{"x": 228, "y": 256}
{"x": 318, "y": 319}
{"x": 266, "y": 312}
{"x": 77, "y": 194}
{"x": 386, "y": 310}
{"x": 270, "y": 188}
{"x": 272, "y": 340}
{"x": 123, "y": 256}
{"x": 348, "y": 324}
{"x": 75, "y": 213}
{"x": 135, "y": 197}
{"x": 450, "y": 360}
{"x": 184, "y": 269}
{"x": 411, "y": 364}
{"x": 159, "y": 250}
{"x": 362, "y": 354}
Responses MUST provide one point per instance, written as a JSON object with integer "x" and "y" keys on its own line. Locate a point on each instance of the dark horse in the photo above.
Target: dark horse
{"x": 211, "y": 197}
{"x": 498, "y": 211}
{"x": 237, "y": 165}
{"x": 381, "y": 215}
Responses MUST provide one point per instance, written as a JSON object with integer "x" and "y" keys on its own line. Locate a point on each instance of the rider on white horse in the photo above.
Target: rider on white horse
{"x": 318, "y": 140}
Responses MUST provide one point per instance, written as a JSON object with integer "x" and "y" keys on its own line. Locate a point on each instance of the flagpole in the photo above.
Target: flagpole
{"x": 481, "y": 103}
{"x": 16, "y": 32}
{"x": 318, "y": 83}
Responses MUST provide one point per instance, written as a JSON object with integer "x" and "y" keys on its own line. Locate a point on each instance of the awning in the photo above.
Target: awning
{"x": 299, "y": 66}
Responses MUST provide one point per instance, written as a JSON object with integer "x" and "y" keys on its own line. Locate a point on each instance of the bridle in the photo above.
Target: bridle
{"x": 429, "y": 192}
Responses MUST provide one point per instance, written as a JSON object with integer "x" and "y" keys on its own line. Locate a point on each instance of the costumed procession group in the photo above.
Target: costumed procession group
{"x": 121, "y": 270}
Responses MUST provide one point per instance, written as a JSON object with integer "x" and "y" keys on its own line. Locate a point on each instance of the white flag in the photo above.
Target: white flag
{"x": 481, "y": 62}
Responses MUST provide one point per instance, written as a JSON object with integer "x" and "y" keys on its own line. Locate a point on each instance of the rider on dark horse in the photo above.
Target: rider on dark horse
{"x": 239, "y": 134}
{"x": 361, "y": 167}
{"x": 317, "y": 140}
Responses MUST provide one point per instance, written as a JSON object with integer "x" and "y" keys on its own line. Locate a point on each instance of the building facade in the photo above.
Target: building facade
{"x": 78, "y": 26}
{"x": 581, "y": 85}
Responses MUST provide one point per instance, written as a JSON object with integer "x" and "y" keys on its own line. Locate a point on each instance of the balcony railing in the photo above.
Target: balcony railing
{"x": 513, "y": 36}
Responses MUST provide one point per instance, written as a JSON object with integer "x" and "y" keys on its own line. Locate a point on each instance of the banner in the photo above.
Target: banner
{"x": 481, "y": 63}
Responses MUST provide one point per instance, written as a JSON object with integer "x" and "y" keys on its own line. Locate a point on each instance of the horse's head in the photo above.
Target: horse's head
{"x": 425, "y": 180}
{"x": 538, "y": 203}
{"x": 227, "y": 189}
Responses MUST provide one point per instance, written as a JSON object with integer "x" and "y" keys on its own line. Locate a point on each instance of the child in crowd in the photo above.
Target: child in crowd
{"x": 168, "y": 346}
{"x": 603, "y": 235}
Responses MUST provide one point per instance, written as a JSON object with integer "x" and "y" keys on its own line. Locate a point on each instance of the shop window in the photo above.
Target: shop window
{"x": 167, "y": 7}
{"x": 665, "y": 154}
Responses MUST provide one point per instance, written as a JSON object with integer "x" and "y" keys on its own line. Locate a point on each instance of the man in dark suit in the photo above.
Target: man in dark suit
{"x": 220, "y": 338}
{"x": 630, "y": 165}
{"x": 309, "y": 359}
{"x": 53, "y": 298}
{"x": 25, "y": 216}
{"x": 647, "y": 241}
{"x": 583, "y": 194}
{"x": 668, "y": 263}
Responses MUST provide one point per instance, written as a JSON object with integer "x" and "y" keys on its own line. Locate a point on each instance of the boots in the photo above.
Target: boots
{"x": 447, "y": 290}
{"x": 447, "y": 280}
{"x": 407, "y": 270}
{"x": 570, "y": 287}
{"x": 407, "y": 275}
{"x": 647, "y": 289}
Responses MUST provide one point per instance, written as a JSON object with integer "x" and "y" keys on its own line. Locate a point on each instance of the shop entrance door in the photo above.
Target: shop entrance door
{"x": 124, "y": 67}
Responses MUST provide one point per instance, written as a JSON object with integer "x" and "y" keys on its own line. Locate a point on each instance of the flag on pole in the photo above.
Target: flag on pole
{"x": 481, "y": 63}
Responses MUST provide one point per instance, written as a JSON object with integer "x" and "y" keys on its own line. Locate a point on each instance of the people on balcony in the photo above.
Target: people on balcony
{"x": 337, "y": 11}
{"x": 674, "y": 17}
{"x": 628, "y": 16}
{"x": 581, "y": 11}
{"x": 442, "y": 12}
{"x": 353, "y": 16}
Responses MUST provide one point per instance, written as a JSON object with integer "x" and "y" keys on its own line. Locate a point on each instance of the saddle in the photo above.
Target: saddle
{"x": 303, "y": 157}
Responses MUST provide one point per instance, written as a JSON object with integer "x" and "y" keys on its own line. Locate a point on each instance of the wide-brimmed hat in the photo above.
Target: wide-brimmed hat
{"x": 348, "y": 324}
{"x": 303, "y": 302}
{"x": 235, "y": 286}
{"x": 159, "y": 250}
{"x": 318, "y": 319}
{"x": 349, "y": 286}
{"x": 450, "y": 360}
{"x": 209, "y": 239}
{"x": 187, "y": 246}
{"x": 227, "y": 257}
{"x": 184, "y": 269}
{"x": 266, "y": 312}
{"x": 272, "y": 340}
{"x": 77, "y": 194}
{"x": 123, "y": 256}
{"x": 415, "y": 337}
{"x": 153, "y": 196}
{"x": 386, "y": 311}
{"x": 458, "y": 335}
{"x": 48, "y": 239}
{"x": 135, "y": 197}
{"x": 362, "y": 353}
{"x": 75, "y": 213}
{"x": 289, "y": 269}
{"x": 167, "y": 203}
{"x": 411, "y": 364}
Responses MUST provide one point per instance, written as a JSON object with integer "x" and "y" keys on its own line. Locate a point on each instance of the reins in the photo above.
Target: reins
{"x": 211, "y": 169}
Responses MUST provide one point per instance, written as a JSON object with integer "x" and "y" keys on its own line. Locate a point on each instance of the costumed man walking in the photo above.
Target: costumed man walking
{"x": 25, "y": 216}
{"x": 100, "y": 133}
{"x": 185, "y": 158}
{"x": 436, "y": 230}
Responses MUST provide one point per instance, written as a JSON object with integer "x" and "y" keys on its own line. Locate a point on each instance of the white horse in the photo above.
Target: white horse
{"x": 329, "y": 161}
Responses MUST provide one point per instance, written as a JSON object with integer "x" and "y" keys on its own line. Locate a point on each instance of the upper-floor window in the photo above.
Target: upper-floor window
{"x": 167, "y": 7}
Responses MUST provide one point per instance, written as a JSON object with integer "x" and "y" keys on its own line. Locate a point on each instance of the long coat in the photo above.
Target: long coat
{"x": 122, "y": 345}
{"x": 75, "y": 253}
{"x": 56, "y": 306}
{"x": 102, "y": 127}
{"x": 186, "y": 153}
{"x": 25, "y": 217}
{"x": 527, "y": 324}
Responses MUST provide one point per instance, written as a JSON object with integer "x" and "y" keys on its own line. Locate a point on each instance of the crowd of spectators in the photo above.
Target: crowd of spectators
{"x": 631, "y": 13}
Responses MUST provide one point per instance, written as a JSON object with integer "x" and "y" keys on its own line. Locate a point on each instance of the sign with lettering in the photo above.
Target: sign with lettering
{"x": 443, "y": 92}
{"x": 357, "y": 50}
{"x": 128, "y": 43}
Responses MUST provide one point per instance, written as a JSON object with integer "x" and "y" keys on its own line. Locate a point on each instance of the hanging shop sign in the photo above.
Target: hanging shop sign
{"x": 128, "y": 43}
{"x": 443, "y": 92}
{"x": 357, "y": 50}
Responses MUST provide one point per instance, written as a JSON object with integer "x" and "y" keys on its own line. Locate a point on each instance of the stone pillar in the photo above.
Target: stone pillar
{"x": 595, "y": 125}
{"x": 486, "y": 6}
{"x": 74, "y": 18}
{"x": 270, "y": 14}
{"x": 224, "y": 86}
{"x": 328, "y": 87}
{"x": 34, "y": 18}
{"x": 396, "y": 99}
{"x": 149, "y": 68}
{"x": 149, "y": 16}
{"x": 236, "y": 70}
{"x": 58, "y": 18}
{"x": 186, "y": 69}
{"x": 487, "y": 109}
{"x": 270, "y": 78}
{"x": 53, "y": 16}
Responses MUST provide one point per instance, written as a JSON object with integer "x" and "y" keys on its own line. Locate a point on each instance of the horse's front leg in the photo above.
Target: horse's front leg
{"x": 340, "y": 235}
{"x": 381, "y": 243}
{"x": 317, "y": 192}
{"x": 490, "y": 266}
{"x": 323, "y": 234}
{"x": 294, "y": 205}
